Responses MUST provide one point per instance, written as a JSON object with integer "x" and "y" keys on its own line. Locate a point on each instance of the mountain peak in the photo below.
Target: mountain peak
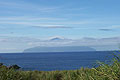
{"x": 56, "y": 38}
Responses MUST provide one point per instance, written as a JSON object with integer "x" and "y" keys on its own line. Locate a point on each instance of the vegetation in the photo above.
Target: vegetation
{"x": 102, "y": 72}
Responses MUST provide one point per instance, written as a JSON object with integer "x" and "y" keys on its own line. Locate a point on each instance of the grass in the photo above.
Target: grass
{"x": 102, "y": 72}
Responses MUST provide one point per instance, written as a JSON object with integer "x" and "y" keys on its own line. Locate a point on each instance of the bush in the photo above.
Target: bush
{"x": 16, "y": 67}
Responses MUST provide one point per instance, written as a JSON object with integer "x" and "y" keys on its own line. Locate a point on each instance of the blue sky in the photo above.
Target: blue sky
{"x": 73, "y": 19}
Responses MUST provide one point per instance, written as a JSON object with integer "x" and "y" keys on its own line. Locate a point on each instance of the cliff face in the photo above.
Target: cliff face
{"x": 59, "y": 49}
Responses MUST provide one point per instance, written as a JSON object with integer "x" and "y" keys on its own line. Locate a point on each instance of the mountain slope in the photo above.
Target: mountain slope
{"x": 59, "y": 49}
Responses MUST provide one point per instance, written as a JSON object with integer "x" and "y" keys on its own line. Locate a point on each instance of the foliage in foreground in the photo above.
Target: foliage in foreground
{"x": 102, "y": 72}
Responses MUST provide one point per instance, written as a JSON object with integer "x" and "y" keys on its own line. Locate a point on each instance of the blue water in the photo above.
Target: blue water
{"x": 55, "y": 61}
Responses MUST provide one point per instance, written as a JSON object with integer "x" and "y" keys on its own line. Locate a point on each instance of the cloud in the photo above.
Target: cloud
{"x": 105, "y": 29}
{"x": 21, "y": 43}
{"x": 52, "y": 23}
{"x": 52, "y": 26}
{"x": 47, "y": 43}
{"x": 2, "y": 40}
{"x": 37, "y": 25}
{"x": 20, "y": 5}
{"x": 18, "y": 39}
{"x": 115, "y": 27}
{"x": 8, "y": 49}
{"x": 27, "y": 18}
{"x": 97, "y": 43}
{"x": 42, "y": 22}
{"x": 110, "y": 28}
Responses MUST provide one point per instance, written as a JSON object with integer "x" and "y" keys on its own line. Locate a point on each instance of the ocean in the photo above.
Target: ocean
{"x": 56, "y": 60}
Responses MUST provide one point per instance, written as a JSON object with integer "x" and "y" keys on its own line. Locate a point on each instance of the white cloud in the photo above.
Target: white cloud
{"x": 52, "y": 26}
{"x": 8, "y": 48}
{"x": 115, "y": 27}
{"x": 110, "y": 28}
{"x": 43, "y": 23}
{"x": 2, "y": 40}
{"x": 27, "y": 18}
{"x": 20, "y": 5}
{"x": 21, "y": 43}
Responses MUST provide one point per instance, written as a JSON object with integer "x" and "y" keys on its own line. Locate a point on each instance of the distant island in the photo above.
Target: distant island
{"x": 59, "y": 49}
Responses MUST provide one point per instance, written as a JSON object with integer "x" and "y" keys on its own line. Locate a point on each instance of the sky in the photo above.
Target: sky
{"x": 24, "y": 22}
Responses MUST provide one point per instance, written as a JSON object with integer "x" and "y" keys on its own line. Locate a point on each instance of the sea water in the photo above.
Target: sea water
{"x": 56, "y": 60}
